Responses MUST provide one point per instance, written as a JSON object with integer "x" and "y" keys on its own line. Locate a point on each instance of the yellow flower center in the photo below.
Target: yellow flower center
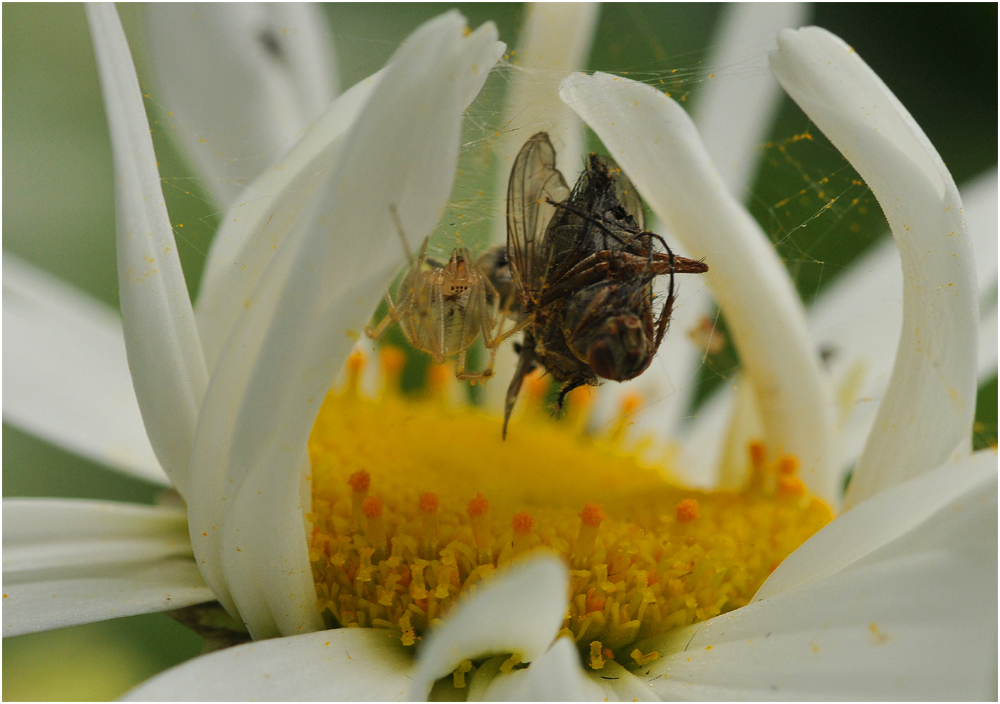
{"x": 415, "y": 501}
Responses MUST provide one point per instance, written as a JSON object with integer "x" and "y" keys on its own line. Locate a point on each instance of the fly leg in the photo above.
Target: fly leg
{"x": 661, "y": 265}
{"x": 525, "y": 364}
{"x": 668, "y": 307}
{"x": 566, "y": 388}
{"x": 584, "y": 277}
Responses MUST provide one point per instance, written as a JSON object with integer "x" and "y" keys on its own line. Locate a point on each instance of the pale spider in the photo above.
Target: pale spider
{"x": 442, "y": 308}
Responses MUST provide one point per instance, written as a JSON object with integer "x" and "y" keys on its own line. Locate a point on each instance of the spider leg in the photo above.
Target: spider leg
{"x": 488, "y": 319}
{"x": 392, "y": 316}
{"x": 479, "y": 295}
{"x": 502, "y": 337}
{"x": 480, "y": 377}
{"x": 379, "y": 330}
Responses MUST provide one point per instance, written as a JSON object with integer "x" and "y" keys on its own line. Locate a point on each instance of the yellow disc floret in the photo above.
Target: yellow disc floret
{"x": 414, "y": 502}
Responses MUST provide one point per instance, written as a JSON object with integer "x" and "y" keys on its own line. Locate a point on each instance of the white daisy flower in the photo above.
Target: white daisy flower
{"x": 855, "y": 611}
{"x": 436, "y": 74}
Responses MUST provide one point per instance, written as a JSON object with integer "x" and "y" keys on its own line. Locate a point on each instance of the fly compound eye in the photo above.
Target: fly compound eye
{"x": 601, "y": 359}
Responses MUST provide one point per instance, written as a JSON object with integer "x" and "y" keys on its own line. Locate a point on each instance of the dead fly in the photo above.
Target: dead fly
{"x": 584, "y": 268}
{"x": 443, "y": 307}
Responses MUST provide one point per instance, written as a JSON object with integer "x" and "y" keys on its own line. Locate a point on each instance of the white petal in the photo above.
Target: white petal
{"x": 657, "y": 145}
{"x": 979, "y": 199}
{"x": 554, "y": 677}
{"x": 910, "y": 613}
{"x": 520, "y": 611}
{"x": 130, "y": 590}
{"x": 346, "y": 664}
{"x": 251, "y": 233}
{"x": 249, "y": 464}
{"x": 621, "y": 685}
{"x": 745, "y": 425}
{"x": 884, "y": 520}
{"x": 58, "y": 538}
{"x": 979, "y": 203}
{"x": 739, "y": 101}
{"x": 858, "y": 319}
{"x": 987, "y": 345}
{"x": 239, "y": 83}
{"x": 483, "y": 677}
{"x": 554, "y": 42}
{"x": 161, "y": 339}
{"x": 930, "y": 403}
{"x": 703, "y": 440}
{"x": 66, "y": 377}
{"x": 67, "y": 562}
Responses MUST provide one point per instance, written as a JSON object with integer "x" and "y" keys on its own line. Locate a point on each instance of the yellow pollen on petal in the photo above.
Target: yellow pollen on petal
{"x": 579, "y": 402}
{"x": 428, "y": 536}
{"x": 414, "y": 502}
{"x": 535, "y": 386}
{"x": 522, "y": 523}
{"x": 591, "y": 518}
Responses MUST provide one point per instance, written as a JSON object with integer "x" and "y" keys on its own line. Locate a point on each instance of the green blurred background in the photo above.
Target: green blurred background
{"x": 58, "y": 213}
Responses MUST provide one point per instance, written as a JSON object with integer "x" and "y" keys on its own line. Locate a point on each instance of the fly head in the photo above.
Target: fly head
{"x": 608, "y": 329}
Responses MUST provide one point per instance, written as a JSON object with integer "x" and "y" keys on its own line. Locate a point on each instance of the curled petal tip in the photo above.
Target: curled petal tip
{"x": 929, "y": 406}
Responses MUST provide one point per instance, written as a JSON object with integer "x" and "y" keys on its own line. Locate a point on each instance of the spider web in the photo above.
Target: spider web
{"x": 807, "y": 198}
{"x": 816, "y": 210}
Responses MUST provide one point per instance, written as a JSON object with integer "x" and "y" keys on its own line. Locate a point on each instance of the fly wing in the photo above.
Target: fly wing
{"x": 534, "y": 181}
{"x": 627, "y": 195}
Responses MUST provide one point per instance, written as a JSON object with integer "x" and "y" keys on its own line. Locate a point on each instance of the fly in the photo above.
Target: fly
{"x": 584, "y": 266}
